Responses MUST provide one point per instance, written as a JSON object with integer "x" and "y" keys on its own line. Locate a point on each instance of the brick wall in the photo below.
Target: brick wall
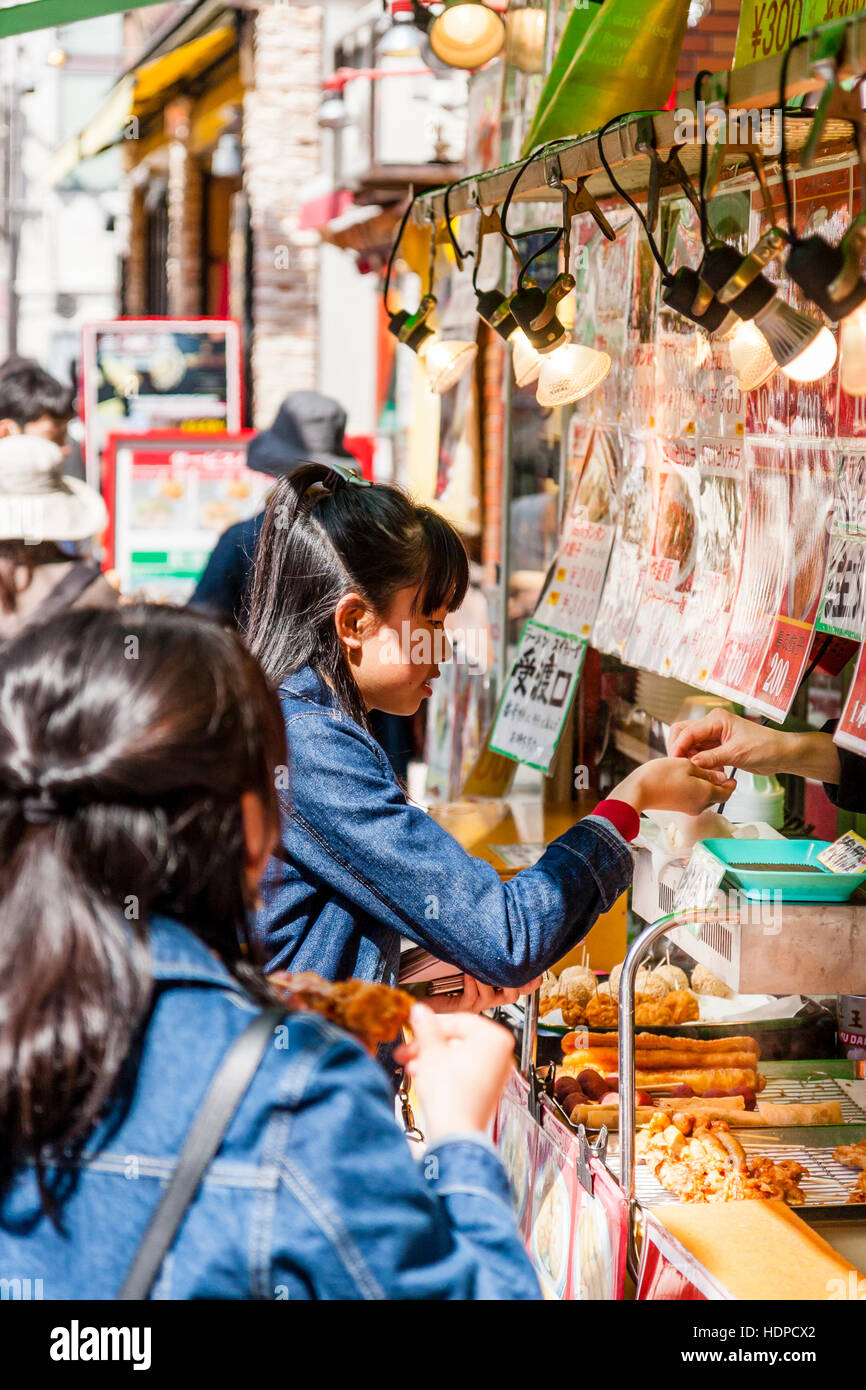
{"x": 281, "y": 156}
{"x": 711, "y": 45}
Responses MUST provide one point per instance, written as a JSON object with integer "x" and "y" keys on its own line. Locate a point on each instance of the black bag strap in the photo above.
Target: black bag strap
{"x": 69, "y": 589}
{"x": 206, "y": 1134}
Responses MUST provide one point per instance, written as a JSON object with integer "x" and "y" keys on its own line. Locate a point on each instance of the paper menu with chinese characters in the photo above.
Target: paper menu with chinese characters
{"x": 538, "y": 695}
{"x": 710, "y": 599}
{"x": 851, "y": 729}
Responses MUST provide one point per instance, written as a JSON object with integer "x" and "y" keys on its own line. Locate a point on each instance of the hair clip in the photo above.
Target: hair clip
{"x": 340, "y": 474}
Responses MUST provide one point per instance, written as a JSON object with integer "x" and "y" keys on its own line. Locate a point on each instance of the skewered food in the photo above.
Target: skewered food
{"x": 700, "y": 1160}
{"x": 647, "y": 1042}
{"x": 672, "y": 976}
{"x": 705, "y": 982}
{"x": 374, "y": 1013}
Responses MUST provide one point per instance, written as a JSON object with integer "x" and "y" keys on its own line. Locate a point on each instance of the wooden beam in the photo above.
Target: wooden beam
{"x": 755, "y": 86}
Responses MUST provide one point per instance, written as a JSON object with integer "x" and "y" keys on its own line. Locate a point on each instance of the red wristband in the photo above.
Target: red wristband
{"x": 622, "y": 816}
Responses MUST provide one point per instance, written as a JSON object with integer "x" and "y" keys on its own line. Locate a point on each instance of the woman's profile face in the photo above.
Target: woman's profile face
{"x": 395, "y": 659}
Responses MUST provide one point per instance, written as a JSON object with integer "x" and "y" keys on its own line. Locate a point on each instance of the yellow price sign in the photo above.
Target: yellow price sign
{"x": 770, "y": 26}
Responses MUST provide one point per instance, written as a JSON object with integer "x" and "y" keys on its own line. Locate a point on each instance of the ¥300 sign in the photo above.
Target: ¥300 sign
{"x": 770, "y": 26}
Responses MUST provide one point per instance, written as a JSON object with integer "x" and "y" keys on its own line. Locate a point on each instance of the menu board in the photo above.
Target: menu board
{"x": 169, "y": 497}
{"x": 538, "y": 695}
{"x": 140, "y": 375}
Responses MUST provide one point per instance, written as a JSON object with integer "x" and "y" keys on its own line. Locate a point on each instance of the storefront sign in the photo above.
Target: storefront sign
{"x": 170, "y": 497}
{"x": 538, "y": 695}
{"x": 770, "y": 26}
{"x": 140, "y": 375}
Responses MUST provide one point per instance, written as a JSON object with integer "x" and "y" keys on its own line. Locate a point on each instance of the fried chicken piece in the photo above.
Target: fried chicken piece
{"x": 852, "y": 1155}
{"x": 602, "y": 1011}
{"x": 857, "y": 1195}
{"x": 374, "y": 1013}
{"x": 679, "y": 1006}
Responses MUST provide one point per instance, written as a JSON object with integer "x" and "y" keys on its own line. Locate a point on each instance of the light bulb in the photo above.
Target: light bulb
{"x": 751, "y": 357}
{"x": 525, "y": 360}
{"x": 852, "y": 350}
{"x": 802, "y": 348}
{"x": 467, "y": 34}
{"x": 569, "y": 373}
{"x": 815, "y": 361}
{"x": 525, "y": 27}
{"x": 445, "y": 360}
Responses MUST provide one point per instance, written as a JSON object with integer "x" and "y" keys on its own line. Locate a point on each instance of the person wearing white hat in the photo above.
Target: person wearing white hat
{"x": 41, "y": 507}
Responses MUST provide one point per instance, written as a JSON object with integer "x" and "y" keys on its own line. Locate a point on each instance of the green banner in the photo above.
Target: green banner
{"x": 575, "y": 32}
{"x": 625, "y": 61}
{"x": 770, "y": 26}
{"x": 48, "y": 14}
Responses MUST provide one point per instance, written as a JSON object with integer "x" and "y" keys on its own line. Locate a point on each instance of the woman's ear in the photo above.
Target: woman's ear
{"x": 350, "y": 620}
{"x": 260, "y": 837}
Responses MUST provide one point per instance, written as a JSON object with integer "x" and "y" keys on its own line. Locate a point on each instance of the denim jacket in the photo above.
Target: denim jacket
{"x": 361, "y": 867}
{"x": 313, "y": 1194}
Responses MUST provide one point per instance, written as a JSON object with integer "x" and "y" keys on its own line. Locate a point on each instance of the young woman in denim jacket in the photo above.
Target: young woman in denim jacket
{"x": 351, "y": 587}
{"x": 137, "y": 808}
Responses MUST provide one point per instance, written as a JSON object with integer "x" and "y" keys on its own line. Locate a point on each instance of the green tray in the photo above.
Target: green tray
{"x": 756, "y": 884}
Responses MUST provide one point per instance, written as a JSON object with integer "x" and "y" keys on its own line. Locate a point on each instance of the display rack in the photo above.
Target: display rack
{"x": 810, "y": 983}
{"x": 753, "y": 87}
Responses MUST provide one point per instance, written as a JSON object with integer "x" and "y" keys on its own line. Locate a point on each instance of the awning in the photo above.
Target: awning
{"x": 139, "y": 94}
{"x": 50, "y": 14}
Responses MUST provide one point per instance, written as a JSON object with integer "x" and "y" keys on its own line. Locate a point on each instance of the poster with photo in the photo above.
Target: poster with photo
{"x": 629, "y": 561}
{"x": 811, "y": 486}
{"x": 710, "y": 600}
{"x": 851, "y": 729}
{"x": 655, "y": 636}
{"x": 169, "y": 497}
{"x": 843, "y": 599}
{"x": 142, "y": 375}
{"x": 763, "y": 571}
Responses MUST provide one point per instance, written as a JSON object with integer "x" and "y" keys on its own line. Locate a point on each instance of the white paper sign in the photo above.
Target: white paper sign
{"x": 573, "y": 591}
{"x": 538, "y": 695}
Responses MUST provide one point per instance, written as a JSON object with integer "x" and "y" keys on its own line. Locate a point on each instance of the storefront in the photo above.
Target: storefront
{"x": 681, "y": 513}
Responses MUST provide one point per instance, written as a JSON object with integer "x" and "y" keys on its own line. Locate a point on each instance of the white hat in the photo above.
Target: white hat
{"x": 37, "y": 501}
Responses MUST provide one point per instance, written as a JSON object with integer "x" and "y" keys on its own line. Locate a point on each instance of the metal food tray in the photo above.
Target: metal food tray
{"x": 828, "y": 1185}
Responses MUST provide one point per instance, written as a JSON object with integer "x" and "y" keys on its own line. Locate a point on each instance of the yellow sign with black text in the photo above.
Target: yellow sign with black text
{"x": 770, "y": 26}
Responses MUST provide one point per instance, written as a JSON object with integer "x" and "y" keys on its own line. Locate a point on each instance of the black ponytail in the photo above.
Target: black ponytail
{"x": 322, "y": 537}
{"x": 127, "y": 739}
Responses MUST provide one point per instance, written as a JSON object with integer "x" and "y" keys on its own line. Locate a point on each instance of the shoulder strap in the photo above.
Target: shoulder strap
{"x": 206, "y": 1134}
{"x": 69, "y": 589}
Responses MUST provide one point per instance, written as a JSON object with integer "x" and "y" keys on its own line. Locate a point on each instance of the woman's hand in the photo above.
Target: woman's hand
{"x": 674, "y": 784}
{"x": 724, "y": 739}
{"x": 459, "y": 1065}
{"x": 477, "y": 998}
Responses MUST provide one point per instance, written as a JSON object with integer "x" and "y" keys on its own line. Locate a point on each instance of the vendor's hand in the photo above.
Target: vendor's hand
{"x": 459, "y": 1065}
{"x": 673, "y": 784}
{"x": 724, "y": 739}
{"x": 476, "y": 997}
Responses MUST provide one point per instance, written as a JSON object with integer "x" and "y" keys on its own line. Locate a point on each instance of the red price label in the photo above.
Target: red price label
{"x": 780, "y": 674}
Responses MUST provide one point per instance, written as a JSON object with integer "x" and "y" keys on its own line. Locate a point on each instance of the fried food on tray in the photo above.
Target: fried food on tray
{"x": 678, "y": 1006}
{"x": 857, "y": 1195}
{"x": 646, "y": 1042}
{"x": 570, "y": 992}
{"x": 851, "y": 1155}
{"x": 700, "y": 1160}
{"x": 374, "y": 1013}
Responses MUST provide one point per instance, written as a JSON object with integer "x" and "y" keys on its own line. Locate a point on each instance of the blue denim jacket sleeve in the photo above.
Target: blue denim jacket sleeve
{"x": 347, "y": 824}
{"x": 373, "y": 1222}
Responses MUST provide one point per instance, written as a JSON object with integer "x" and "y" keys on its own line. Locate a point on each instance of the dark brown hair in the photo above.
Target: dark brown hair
{"x": 316, "y": 546}
{"x": 127, "y": 738}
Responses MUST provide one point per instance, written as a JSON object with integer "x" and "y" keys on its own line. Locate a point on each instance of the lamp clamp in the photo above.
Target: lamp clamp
{"x": 769, "y": 248}
{"x": 664, "y": 173}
